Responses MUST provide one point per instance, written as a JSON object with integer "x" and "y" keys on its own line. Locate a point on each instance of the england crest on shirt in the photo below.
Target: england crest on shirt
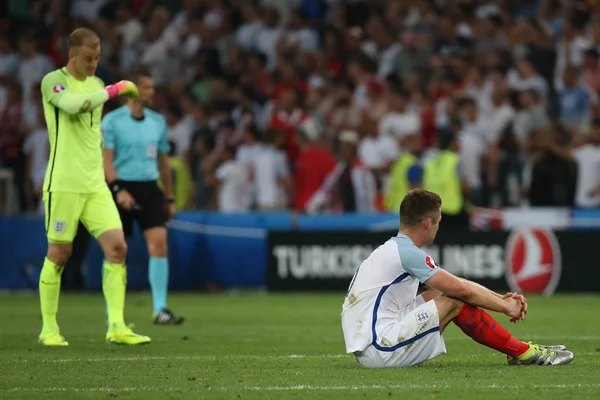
{"x": 422, "y": 316}
{"x": 59, "y": 226}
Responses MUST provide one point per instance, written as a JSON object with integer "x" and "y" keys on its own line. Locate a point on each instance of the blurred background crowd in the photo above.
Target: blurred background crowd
{"x": 331, "y": 105}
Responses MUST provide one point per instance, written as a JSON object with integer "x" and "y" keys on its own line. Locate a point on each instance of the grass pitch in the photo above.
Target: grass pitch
{"x": 259, "y": 346}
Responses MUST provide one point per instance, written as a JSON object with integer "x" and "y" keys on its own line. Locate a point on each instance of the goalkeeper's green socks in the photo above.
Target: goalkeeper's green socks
{"x": 49, "y": 287}
{"x": 114, "y": 284}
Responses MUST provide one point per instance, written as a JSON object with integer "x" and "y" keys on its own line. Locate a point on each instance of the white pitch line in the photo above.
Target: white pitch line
{"x": 212, "y": 357}
{"x": 296, "y": 388}
{"x": 200, "y": 357}
{"x": 409, "y": 386}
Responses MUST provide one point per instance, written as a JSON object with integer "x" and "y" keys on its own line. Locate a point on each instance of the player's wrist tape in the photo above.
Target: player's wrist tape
{"x": 116, "y": 186}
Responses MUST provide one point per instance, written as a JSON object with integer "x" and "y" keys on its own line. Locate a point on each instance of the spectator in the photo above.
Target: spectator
{"x": 413, "y": 56}
{"x": 248, "y": 32}
{"x": 247, "y": 156}
{"x": 202, "y": 169}
{"x": 314, "y": 166}
{"x": 531, "y": 117}
{"x": 498, "y": 116}
{"x": 268, "y": 37}
{"x": 504, "y": 176}
{"x": 271, "y": 173}
{"x": 525, "y": 77}
{"x": 37, "y": 150}
{"x": 33, "y": 66}
{"x": 553, "y": 172}
{"x": 473, "y": 151}
{"x": 575, "y": 101}
{"x": 479, "y": 88}
{"x": 587, "y": 156}
{"x": 232, "y": 181}
{"x": 12, "y": 131}
{"x": 182, "y": 179}
{"x": 286, "y": 116}
{"x": 360, "y": 71}
{"x": 442, "y": 174}
{"x": 383, "y": 48}
{"x": 9, "y": 60}
{"x": 399, "y": 121}
{"x": 357, "y": 189}
{"x": 299, "y": 36}
{"x": 178, "y": 131}
{"x": 406, "y": 172}
{"x": 591, "y": 74}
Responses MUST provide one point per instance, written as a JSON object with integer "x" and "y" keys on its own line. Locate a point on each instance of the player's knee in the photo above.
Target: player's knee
{"x": 454, "y": 304}
{"x": 156, "y": 238}
{"x": 117, "y": 251}
{"x": 120, "y": 249}
{"x": 157, "y": 248}
{"x": 59, "y": 254}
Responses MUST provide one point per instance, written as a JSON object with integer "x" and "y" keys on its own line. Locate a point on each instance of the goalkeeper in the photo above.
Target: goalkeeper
{"x": 75, "y": 189}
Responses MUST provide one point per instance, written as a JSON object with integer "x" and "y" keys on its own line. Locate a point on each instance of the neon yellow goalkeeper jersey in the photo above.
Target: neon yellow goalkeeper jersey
{"x": 76, "y": 154}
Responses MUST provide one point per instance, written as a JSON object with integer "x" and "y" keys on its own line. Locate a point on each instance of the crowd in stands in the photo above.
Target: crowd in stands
{"x": 331, "y": 105}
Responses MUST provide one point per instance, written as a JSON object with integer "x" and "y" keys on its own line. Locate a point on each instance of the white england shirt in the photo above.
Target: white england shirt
{"x": 384, "y": 284}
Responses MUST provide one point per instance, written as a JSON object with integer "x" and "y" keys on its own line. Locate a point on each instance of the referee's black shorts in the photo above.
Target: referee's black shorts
{"x": 150, "y": 210}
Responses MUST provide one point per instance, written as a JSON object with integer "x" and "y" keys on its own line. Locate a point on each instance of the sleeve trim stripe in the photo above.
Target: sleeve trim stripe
{"x": 57, "y": 117}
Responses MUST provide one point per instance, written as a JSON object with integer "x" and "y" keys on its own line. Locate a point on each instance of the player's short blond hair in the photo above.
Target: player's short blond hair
{"x": 81, "y": 36}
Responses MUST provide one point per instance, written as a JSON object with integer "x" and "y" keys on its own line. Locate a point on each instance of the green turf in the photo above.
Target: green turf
{"x": 258, "y": 346}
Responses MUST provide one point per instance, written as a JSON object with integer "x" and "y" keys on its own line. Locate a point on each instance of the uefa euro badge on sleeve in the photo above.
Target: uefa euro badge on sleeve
{"x": 430, "y": 262}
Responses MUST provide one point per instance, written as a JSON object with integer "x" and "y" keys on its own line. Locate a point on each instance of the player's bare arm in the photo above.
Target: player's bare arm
{"x": 109, "y": 170}
{"x": 166, "y": 179}
{"x": 475, "y": 295}
{"x": 432, "y": 294}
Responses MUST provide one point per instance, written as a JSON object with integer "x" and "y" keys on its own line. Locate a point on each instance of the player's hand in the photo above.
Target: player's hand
{"x": 122, "y": 88}
{"x": 170, "y": 210}
{"x": 125, "y": 200}
{"x": 517, "y": 306}
{"x": 523, "y": 302}
{"x": 513, "y": 309}
{"x": 127, "y": 88}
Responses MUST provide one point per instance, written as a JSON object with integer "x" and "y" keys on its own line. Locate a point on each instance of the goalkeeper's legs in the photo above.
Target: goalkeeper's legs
{"x": 62, "y": 211}
{"x": 114, "y": 283}
{"x": 49, "y": 288}
{"x": 481, "y": 327}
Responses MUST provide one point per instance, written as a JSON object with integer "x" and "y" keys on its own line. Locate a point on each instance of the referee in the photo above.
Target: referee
{"x": 136, "y": 154}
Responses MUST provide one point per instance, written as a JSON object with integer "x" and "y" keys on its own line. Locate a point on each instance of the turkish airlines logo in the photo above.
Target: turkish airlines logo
{"x": 533, "y": 261}
{"x": 58, "y": 88}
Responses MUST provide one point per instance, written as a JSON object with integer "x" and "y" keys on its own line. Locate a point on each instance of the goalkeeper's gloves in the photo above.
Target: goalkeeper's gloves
{"x": 122, "y": 88}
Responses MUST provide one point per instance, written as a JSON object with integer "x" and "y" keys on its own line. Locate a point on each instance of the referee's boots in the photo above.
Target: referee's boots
{"x": 166, "y": 317}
